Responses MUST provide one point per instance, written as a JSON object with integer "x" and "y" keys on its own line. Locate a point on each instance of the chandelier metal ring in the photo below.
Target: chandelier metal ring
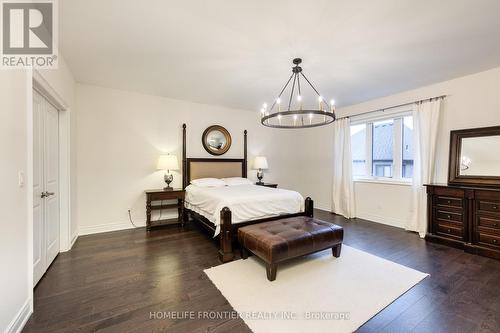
{"x": 330, "y": 118}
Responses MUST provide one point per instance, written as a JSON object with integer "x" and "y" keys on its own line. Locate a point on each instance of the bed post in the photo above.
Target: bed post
{"x": 184, "y": 166}
{"x": 226, "y": 236}
{"x": 245, "y": 167}
{"x": 309, "y": 207}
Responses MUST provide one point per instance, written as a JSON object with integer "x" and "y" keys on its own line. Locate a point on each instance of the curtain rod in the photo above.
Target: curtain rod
{"x": 392, "y": 107}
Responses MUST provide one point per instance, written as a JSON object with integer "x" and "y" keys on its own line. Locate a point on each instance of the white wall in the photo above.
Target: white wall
{"x": 16, "y": 289}
{"x": 121, "y": 134}
{"x": 473, "y": 101}
{"x": 14, "y": 284}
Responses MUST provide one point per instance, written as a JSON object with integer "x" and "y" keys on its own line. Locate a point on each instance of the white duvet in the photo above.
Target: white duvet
{"x": 246, "y": 202}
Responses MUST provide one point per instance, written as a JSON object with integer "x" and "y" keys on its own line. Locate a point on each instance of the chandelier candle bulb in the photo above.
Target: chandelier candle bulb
{"x": 320, "y": 101}
{"x": 299, "y": 99}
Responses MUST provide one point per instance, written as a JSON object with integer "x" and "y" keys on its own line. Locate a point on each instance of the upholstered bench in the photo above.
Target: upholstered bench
{"x": 280, "y": 240}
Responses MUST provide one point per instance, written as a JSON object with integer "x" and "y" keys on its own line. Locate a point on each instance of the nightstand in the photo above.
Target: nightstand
{"x": 267, "y": 185}
{"x": 152, "y": 198}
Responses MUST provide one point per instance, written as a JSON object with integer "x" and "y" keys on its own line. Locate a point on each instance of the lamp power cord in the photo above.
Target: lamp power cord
{"x": 132, "y": 222}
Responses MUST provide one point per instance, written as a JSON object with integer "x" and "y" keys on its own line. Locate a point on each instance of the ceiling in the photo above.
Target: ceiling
{"x": 237, "y": 53}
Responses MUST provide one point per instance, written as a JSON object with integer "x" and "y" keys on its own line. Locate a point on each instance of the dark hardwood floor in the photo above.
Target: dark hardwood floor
{"x": 112, "y": 282}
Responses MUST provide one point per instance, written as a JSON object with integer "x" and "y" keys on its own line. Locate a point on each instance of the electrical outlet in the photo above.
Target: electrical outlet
{"x": 20, "y": 178}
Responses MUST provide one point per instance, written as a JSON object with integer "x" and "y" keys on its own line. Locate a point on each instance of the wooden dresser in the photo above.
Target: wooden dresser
{"x": 465, "y": 217}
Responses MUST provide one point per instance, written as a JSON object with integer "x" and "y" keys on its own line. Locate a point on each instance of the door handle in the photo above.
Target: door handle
{"x": 46, "y": 194}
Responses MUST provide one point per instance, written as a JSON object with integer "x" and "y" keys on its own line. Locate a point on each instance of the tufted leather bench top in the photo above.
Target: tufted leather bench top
{"x": 288, "y": 238}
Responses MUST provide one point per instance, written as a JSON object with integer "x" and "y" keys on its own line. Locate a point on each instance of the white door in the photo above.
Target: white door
{"x": 45, "y": 185}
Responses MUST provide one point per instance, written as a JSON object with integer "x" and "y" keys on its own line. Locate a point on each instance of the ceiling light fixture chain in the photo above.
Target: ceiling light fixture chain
{"x": 291, "y": 93}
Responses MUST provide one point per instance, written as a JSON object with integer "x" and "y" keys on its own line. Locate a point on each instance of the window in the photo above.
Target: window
{"x": 358, "y": 139}
{"x": 407, "y": 171}
{"x": 383, "y": 148}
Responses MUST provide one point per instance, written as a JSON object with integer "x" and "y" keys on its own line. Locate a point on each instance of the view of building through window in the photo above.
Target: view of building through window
{"x": 383, "y": 148}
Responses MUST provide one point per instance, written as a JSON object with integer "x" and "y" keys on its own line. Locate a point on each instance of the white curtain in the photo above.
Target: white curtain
{"x": 343, "y": 189}
{"x": 425, "y": 131}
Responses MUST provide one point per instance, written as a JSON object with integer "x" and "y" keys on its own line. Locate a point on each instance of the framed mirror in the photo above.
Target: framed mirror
{"x": 475, "y": 157}
{"x": 216, "y": 140}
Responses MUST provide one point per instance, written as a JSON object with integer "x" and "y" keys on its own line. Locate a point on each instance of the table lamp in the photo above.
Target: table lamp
{"x": 168, "y": 163}
{"x": 260, "y": 163}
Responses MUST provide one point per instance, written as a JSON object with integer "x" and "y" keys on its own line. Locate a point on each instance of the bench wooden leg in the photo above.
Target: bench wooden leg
{"x": 336, "y": 250}
{"x": 243, "y": 252}
{"x": 271, "y": 271}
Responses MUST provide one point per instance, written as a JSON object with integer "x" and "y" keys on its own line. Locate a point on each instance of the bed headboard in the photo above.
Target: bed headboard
{"x": 194, "y": 168}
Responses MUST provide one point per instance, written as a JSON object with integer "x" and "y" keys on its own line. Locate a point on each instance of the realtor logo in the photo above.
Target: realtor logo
{"x": 28, "y": 34}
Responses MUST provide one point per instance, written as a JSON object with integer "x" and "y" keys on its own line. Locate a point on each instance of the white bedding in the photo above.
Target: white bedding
{"x": 246, "y": 202}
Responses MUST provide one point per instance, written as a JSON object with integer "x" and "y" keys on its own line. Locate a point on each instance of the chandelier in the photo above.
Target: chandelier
{"x": 294, "y": 114}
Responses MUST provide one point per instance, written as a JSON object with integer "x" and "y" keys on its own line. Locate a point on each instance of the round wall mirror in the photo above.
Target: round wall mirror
{"x": 216, "y": 140}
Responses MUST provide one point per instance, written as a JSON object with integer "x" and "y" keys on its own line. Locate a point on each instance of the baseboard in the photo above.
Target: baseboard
{"x": 320, "y": 207}
{"x": 96, "y": 229}
{"x": 73, "y": 240}
{"x": 394, "y": 222}
{"x": 74, "y": 237}
{"x": 17, "y": 324}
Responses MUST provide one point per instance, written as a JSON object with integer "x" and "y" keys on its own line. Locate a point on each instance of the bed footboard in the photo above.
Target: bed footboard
{"x": 228, "y": 232}
{"x": 226, "y": 236}
{"x": 309, "y": 207}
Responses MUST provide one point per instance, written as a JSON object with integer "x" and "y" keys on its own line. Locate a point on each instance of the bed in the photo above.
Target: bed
{"x": 222, "y": 210}
{"x": 247, "y": 202}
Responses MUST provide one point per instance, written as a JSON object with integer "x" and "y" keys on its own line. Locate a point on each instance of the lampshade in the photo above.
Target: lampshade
{"x": 260, "y": 162}
{"x": 168, "y": 162}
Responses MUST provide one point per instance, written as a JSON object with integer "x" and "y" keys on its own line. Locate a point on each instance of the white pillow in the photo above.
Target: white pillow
{"x": 208, "y": 182}
{"x": 236, "y": 181}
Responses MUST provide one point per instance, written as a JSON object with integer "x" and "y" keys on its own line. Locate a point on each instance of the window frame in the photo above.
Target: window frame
{"x": 397, "y": 154}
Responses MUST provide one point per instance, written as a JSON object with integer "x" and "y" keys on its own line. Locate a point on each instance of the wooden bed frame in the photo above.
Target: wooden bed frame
{"x": 228, "y": 231}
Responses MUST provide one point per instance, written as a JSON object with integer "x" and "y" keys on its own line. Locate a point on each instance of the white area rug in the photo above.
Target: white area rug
{"x": 317, "y": 293}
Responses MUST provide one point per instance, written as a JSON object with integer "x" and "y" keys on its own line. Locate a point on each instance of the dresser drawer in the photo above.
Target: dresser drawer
{"x": 448, "y": 215}
{"x": 489, "y": 206}
{"x": 448, "y": 201}
{"x": 448, "y": 229}
{"x": 490, "y": 240}
{"x": 488, "y": 222}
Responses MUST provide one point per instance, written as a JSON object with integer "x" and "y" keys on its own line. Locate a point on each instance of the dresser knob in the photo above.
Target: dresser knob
{"x": 449, "y": 202}
{"x": 494, "y": 241}
{"x": 449, "y": 230}
{"x": 495, "y": 224}
{"x": 449, "y": 216}
{"x": 495, "y": 207}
